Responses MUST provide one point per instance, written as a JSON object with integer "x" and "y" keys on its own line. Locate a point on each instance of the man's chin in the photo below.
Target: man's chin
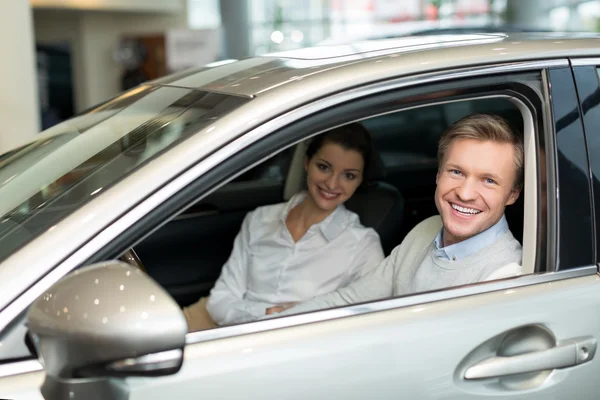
{"x": 460, "y": 232}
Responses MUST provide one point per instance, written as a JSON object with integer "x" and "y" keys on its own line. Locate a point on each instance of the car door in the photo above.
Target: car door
{"x": 530, "y": 337}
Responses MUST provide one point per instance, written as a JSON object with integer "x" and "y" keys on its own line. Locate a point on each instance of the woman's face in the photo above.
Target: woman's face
{"x": 333, "y": 174}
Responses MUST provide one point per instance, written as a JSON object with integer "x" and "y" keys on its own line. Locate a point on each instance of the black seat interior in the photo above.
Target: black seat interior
{"x": 515, "y": 218}
{"x": 380, "y": 206}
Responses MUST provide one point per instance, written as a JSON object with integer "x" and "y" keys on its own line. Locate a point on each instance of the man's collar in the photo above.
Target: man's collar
{"x": 468, "y": 247}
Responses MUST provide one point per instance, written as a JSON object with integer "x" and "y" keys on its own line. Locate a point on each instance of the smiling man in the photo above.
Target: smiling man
{"x": 480, "y": 173}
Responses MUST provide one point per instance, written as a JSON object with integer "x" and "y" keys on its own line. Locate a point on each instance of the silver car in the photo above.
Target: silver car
{"x": 114, "y": 220}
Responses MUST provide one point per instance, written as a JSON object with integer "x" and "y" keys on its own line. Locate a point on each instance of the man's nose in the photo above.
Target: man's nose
{"x": 466, "y": 191}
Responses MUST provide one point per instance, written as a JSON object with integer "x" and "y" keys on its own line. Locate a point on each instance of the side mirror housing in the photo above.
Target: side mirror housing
{"x": 102, "y": 321}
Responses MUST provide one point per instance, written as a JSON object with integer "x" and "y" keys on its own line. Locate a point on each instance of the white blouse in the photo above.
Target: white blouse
{"x": 267, "y": 268}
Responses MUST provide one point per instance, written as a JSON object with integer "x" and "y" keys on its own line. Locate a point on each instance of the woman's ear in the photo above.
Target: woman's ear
{"x": 306, "y": 160}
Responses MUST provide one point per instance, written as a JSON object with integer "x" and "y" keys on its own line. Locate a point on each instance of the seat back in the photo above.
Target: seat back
{"x": 381, "y": 207}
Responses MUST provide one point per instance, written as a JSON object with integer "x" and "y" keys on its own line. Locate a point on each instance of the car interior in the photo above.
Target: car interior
{"x": 400, "y": 194}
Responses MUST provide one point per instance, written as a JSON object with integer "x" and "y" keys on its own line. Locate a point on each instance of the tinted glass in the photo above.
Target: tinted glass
{"x": 575, "y": 241}
{"x": 589, "y": 95}
{"x": 76, "y": 160}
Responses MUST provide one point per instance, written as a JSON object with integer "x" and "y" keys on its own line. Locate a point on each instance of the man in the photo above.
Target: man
{"x": 480, "y": 173}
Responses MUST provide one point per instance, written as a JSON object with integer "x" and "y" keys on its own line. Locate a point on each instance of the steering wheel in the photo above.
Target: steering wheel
{"x": 131, "y": 258}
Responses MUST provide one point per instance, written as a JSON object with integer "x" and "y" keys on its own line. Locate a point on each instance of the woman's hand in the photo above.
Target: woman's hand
{"x": 278, "y": 309}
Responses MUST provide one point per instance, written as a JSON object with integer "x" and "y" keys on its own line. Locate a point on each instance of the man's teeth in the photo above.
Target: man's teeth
{"x": 465, "y": 210}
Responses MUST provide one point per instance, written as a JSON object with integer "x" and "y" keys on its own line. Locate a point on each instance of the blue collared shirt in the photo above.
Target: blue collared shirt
{"x": 472, "y": 245}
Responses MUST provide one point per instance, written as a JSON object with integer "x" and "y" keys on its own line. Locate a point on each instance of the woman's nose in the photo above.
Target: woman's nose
{"x": 331, "y": 182}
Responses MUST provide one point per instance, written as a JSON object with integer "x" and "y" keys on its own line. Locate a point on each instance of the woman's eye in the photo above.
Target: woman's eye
{"x": 350, "y": 176}
{"x": 322, "y": 167}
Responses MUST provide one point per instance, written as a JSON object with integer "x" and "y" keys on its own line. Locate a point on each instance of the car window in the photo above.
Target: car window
{"x": 588, "y": 86}
{"x": 576, "y": 237}
{"x": 75, "y": 160}
{"x": 273, "y": 170}
{"x": 406, "y": 141}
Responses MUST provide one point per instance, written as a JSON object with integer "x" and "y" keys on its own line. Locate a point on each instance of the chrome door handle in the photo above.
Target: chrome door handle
{"x": 566, "y": 354}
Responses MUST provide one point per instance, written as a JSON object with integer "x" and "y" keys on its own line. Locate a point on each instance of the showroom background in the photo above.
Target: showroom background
{"x": 64, "y": 56}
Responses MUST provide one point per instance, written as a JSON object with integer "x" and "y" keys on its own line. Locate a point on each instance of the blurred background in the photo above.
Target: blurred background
{"x": 64, "y": 56}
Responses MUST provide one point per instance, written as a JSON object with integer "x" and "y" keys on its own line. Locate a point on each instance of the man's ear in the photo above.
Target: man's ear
{"x": 514, "y": 195}
{"x": 437, "y": 177}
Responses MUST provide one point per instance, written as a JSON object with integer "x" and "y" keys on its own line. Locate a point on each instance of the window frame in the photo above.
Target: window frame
{"x": 208, "y": 174}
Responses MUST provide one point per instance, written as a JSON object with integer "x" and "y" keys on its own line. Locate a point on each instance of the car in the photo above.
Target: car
{"x": 117, "y": 218}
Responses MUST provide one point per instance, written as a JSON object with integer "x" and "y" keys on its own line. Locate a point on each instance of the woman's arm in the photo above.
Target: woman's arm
{"x": 226, "y": 303}
{"x": 369, "y": 254}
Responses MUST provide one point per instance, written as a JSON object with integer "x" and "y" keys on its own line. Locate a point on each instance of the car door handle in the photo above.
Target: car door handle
{"x": 566, "y": 354}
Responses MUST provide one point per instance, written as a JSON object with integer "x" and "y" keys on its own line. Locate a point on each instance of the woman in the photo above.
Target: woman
{"x": 291, "y": 252}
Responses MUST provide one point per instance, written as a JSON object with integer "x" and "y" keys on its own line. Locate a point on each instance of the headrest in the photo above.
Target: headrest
{"x": 376, "y": 169}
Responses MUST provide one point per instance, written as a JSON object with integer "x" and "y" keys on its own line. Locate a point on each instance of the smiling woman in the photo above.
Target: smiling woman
{"x": 290, "y": 252}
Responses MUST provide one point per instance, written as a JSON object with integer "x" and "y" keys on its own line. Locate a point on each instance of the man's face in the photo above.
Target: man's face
{"x": 474, "y": 184}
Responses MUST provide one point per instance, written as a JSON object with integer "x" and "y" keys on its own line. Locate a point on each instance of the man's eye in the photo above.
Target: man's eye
{"x": 455, "y": 172}
{"x": 490, "y": 181}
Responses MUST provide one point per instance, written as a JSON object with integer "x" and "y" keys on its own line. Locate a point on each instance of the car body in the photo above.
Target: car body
{"x": 171, "y": 167}
{"x": 424, "y": 28}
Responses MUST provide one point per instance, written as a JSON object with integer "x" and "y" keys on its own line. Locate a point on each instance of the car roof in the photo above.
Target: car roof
{"x": 368, "y": 61}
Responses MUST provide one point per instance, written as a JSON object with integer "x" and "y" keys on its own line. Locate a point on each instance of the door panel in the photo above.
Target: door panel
{"x": 22, "y": 386}
{"x": 415, "y": 352}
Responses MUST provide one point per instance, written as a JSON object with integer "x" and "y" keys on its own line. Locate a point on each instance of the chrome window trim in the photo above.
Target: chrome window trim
{"x": 387, "y": 304}
{"x": 582, "y": 62}
{"x": 178, "y": 183}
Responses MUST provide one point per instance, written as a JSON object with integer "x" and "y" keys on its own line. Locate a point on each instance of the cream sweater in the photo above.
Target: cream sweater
{"x": 412, "y": 267}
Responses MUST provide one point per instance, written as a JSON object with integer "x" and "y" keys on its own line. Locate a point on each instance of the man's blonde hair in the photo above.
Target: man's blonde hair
{"x": 485, "y": 127}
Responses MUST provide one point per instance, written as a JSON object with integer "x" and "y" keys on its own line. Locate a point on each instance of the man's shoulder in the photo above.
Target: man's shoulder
{"x": 419, "y": 237}
{"x": 428, "y": 228}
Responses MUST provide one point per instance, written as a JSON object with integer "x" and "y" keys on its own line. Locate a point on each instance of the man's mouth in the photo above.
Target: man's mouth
{"x": 464, "y": 210}
{"x": 328, "y": 195}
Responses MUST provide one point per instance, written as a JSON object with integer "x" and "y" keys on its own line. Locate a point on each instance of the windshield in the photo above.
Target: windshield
{"x": 44, "y": 181}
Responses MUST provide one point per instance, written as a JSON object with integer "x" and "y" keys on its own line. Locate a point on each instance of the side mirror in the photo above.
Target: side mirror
{"x": 102, "y": 321}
